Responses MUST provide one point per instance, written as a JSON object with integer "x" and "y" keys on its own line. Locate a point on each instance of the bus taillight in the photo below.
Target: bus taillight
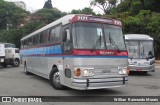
{"x": 77, "y": 72}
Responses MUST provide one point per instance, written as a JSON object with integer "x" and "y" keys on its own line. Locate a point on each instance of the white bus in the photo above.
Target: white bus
{"x": 140, "y": 52}
{"x": 78, "y": 51}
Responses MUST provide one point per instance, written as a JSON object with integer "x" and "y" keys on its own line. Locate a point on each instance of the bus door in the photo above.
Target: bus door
{"x": 67, "y": 59}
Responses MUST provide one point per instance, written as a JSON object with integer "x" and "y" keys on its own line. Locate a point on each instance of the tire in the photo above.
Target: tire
{"x": 25, "y": 69}
{"x": 16, "y": 63}
{"x": 55, "y": 79}
{"x": 4, "y": 65}
{"x": 145, "y": 72}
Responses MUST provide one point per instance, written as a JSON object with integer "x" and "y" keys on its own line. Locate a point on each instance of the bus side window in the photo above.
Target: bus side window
{"x": 44, "y": 36}
{"x": 36, "y": 39}
{"x": 22, "y": 43}
{"x": 52, "y": 33}
{"x": 30, "y": 41}
{"x": 25, "y": 43}
{"x": 55, "y": 34}
{"x": 41, "y": 37}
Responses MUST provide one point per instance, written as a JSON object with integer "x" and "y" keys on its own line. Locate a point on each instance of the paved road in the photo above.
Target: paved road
{"x": 14, "y": 82}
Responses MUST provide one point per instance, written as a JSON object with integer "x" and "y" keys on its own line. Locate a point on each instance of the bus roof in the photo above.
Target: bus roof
{"x": 68, "y": 18}
{"x": 137, "y": 37}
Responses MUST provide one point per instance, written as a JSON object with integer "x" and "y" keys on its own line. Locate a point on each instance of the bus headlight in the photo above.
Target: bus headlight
{"x": 122, "y": 70}
{"x": 88, "y": 72}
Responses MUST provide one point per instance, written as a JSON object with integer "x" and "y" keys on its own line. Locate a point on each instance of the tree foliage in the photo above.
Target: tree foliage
{"x": 153, "y": 5}
{"x": 48, "y": 4}
{"x": 48, "y": 15}
{"x": 85, "y": 10}
{"x": 140, "y": 17}
{"x": 15, "y": 16}
{"x": 105, "y": 5}
{"x": 11, "y": 16}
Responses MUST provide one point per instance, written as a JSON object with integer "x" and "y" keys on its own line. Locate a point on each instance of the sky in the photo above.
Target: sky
{"x": 63, "y": 5}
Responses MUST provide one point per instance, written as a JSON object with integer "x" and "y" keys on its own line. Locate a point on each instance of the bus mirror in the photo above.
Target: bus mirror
{"x": 64, "y": 38}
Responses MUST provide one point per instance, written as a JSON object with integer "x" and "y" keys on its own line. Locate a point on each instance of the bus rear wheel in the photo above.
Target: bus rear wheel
{"x": 55, "y": 79}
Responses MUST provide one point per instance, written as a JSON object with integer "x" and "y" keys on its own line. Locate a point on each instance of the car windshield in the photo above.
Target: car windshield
{"x": 140, "y": 49}
{"x": 97, "y": 36}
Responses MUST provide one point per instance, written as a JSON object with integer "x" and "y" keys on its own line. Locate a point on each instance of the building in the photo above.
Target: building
{"x": 20, "y": 4}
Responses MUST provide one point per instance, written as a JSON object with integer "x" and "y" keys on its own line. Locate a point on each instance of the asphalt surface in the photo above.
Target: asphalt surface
{"x": 14, "y": 82}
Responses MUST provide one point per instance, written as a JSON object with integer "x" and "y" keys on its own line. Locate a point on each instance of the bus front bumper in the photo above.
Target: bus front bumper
{"x": 92, "y": 83}
{"x": 150, "y": 68}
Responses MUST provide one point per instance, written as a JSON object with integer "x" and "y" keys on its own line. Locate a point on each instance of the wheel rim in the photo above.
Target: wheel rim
{"x": 16, "y": 63}
{"x": 56, "y": 78}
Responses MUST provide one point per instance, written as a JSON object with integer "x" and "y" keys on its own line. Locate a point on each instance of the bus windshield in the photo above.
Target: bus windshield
{"x": 140, "y": 49}
{"x": 97, "y": 36}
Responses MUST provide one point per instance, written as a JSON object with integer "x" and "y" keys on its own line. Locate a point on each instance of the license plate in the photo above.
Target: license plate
{"x": 106, "y": 71}
{"x": 139, "y": 69}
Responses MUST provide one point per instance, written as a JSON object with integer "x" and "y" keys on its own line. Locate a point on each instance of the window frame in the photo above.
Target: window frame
{"x": 58, "y": 40}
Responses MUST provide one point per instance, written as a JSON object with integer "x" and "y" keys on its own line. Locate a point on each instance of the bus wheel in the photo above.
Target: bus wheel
{"x": 145, "y": 72}
{"x": 25, "y": 69}
{"x": 55, "y": 79}
{"x": 16, "y": 63}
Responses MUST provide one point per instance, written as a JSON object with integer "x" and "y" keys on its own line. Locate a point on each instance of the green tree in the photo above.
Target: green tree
{"x": 11, "y": 16}
{"x": 136, "y": 7}
{"x": 88, "y": 11}
{"x": 48, "y": 4}
{"x": 85, "y": 10}
{"x": 153, "y": 5}
{"x": 74, "y": 11}
{"x": 105, "y": 5}
{"x": 47, "y": 15}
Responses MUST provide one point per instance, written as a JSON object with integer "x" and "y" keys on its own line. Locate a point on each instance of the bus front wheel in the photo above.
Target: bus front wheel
{"x": 55, "y": 79}
{"x": 145, "y": 72}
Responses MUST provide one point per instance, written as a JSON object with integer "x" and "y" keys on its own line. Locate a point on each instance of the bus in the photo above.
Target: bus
{"x": 140, "y": 52}
{"x": 78, "y": 51}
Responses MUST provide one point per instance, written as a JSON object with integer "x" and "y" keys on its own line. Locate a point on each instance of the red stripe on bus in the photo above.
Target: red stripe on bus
{"x": 100, "y": 52}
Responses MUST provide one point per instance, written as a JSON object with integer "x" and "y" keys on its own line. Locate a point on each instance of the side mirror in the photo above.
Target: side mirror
{"x": 64, "y": 38}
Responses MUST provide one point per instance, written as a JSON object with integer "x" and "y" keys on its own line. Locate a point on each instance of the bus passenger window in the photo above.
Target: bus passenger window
{"x": 36, "y": 40}
{"x": 55, "y": 34}
{"x": 41, "y": 38}
{"x": 30, "y": 41}
{"x": 25, "y": 43}
{"x": 52, "y": 35}
{"x": 44, "y": 36}
{"x": 22, "y": 44}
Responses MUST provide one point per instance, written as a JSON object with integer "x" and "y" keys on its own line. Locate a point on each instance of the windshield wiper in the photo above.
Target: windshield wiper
{"x": 113, "y": 43}
{"x": 98, "y": 40}
{"x": 150, "y": 55}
